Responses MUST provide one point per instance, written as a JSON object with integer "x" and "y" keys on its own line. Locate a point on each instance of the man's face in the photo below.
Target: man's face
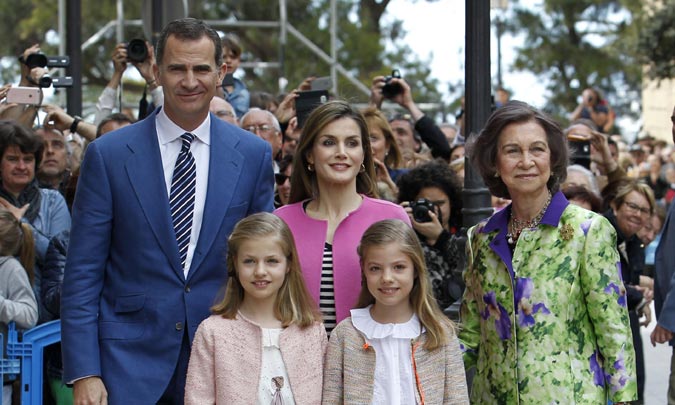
{"x": 291, "y": 141}
{"x": 55, "y": 155}
{"x": 260, "y": 124}
{"x": 189, "y": 77}
{"x": 404, "y": 135}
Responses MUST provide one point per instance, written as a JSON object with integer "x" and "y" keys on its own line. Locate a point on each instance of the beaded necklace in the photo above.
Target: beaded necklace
{"x": 516, "y": 225}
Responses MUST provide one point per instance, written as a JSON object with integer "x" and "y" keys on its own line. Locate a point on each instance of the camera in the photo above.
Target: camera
{"x": 39, "y": 59}
{"x": 390, "y": 89}
{"x": 421, "y": 208}
{"x": 137, "y": 51}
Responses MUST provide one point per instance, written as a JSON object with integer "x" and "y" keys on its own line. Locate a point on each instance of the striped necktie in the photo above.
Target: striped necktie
{"x": 182, "y": 199}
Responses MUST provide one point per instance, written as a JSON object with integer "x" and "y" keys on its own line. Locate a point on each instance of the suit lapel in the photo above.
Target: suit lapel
{"x": 225, "y": 165}
{"x": 144, "y": 168}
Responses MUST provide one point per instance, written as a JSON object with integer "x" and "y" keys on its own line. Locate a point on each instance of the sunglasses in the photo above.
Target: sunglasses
{"x": 280, "y": 178}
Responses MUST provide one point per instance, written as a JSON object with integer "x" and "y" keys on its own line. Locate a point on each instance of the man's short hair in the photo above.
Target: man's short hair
{"x": 189, "y": 29}
{"x": 115, "y": 117}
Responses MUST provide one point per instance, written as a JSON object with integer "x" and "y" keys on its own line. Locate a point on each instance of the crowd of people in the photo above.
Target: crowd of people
{"x": 216, "y": 231}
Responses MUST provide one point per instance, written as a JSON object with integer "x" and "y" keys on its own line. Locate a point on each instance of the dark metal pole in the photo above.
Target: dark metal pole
{"x": 477, "y": 108}
{"x": 157, "y": 17}
{"x": 477, "y": 104}
{"x": 74, "y": 50}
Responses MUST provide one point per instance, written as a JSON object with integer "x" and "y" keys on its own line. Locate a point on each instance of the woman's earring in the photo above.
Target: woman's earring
{"x": 363, "y": 168}
{"x": 496, "y": 175}
{"x": 310, "y": 167}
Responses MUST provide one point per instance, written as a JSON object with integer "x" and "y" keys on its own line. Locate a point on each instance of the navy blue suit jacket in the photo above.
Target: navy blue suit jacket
{"x": 125, "y": 299}
{"x": 664, "y": 275}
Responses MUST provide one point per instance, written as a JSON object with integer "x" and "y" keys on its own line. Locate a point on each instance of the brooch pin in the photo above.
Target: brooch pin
{"x": 566, "y": 232}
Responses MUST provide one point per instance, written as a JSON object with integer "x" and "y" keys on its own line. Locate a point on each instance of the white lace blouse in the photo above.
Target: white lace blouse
{"x": 394, "y": 378}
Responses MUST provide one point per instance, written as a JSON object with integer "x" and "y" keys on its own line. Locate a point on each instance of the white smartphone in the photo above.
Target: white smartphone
{"x": 24, "y": 95}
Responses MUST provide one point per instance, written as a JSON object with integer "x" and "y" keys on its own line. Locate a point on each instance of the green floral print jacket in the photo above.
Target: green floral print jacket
{"x": 548, "y": 325}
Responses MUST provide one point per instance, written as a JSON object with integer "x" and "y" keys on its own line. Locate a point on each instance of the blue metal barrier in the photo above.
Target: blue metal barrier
{"x": 26, "y": 357}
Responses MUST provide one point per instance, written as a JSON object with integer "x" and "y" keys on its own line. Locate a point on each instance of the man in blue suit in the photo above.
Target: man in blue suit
{"x": 134, "y": 292}
{"x": 664, "y": 288}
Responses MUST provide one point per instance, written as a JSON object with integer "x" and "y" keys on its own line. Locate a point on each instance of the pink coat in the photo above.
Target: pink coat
{"x": 226, "y": 359}
{"x": 310, "y": 237}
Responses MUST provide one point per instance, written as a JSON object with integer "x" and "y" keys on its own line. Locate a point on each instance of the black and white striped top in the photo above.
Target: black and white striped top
{"x": 327, "y": 294}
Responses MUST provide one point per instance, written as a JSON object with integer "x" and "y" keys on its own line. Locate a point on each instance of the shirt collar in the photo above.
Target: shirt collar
{"x": 168, "y": 131}
{"x": 551, "y": 217}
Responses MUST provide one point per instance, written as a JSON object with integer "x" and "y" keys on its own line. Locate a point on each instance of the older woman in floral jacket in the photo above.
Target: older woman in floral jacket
{"x": 544, "y": 311}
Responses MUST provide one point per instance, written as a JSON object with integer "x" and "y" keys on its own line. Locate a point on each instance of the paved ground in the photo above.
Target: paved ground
{"x": 657, "y": 366}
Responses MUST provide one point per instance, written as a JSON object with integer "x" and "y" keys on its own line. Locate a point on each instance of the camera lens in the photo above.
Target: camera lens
{"x": 45, "y": 81}
{"x": 137, "y": 51}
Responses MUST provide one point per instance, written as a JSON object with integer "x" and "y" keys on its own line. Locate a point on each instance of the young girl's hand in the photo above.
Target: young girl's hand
{"x": 17, "y": 212}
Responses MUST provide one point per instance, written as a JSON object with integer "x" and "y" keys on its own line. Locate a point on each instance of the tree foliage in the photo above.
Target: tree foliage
{"x": 575, "y": 44}
{"x": 361, "y": 41}
{"x": 657, "y": 41}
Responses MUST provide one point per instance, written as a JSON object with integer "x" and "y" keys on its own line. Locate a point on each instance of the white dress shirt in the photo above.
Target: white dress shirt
{"x": 170, "y": 144}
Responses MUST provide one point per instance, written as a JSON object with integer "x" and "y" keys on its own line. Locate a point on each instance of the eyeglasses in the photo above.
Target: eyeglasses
{"x": 280, "y": 178}
{"x": 261, "y": 128}
{"x": 224, "y": 113}
{"x": 400, "y": 117}
{"x": 636, "y": 208}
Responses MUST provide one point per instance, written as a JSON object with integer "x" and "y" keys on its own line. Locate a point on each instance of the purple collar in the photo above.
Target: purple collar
{"x": 499, "y": 222}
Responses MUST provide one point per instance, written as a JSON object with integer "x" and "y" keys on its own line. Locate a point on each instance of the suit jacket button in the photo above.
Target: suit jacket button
{"x": 179, "y": 325}
{"x": 187, "y": 288}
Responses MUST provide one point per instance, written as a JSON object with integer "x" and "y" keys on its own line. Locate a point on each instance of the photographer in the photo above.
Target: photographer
{"x": 24, "y": 113}
{"x": 120, "y": 58}
{"x": 404, "y": 129}
{"x": 595, "y": 108}
{"x": 436, "y": 224}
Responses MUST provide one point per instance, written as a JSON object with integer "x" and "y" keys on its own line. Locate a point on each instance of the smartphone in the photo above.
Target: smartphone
{"x": 24, "y": 95}
{"x": 228, "y": 80}
{"x": 306, "y": 102}
{"x": 322, "y": 83}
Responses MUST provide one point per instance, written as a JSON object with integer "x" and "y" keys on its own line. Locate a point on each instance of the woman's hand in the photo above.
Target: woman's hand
{"x": 376, "y": 96}
{"x": 647, "y": 313}
{"x": 17, "y": 212}
{"x": 430, "y": 230}
{"x": 286, "y": 109}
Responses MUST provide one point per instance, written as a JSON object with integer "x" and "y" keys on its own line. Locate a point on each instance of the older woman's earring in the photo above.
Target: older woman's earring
{"x": 363, "y": 168}
{"x": 310, "y": 167}
{"x": 496, "y": 175}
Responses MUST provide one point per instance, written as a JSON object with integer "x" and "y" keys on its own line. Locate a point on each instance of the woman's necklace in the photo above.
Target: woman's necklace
{"x": 516, "y": 225}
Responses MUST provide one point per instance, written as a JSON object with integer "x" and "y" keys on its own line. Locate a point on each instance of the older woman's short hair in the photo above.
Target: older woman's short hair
{"x": 590, "y": 177}
{"x": 482, "y": 149}
{"x": 15, "y": 134}
{"x": 627, "y": 187}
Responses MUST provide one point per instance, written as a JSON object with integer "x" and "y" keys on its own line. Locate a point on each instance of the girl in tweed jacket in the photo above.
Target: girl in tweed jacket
{"x": 397, "y": 347}
{"x": 264, "y": 343}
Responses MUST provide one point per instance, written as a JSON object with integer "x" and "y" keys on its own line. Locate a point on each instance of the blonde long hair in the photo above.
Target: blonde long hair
{"x": 421, "y": 297}
{"x": 16, "y": 239}
{"x": 293, "y": 303}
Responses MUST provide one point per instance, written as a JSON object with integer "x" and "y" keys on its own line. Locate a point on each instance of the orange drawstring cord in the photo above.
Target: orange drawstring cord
{"x": 417, "y": 377}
